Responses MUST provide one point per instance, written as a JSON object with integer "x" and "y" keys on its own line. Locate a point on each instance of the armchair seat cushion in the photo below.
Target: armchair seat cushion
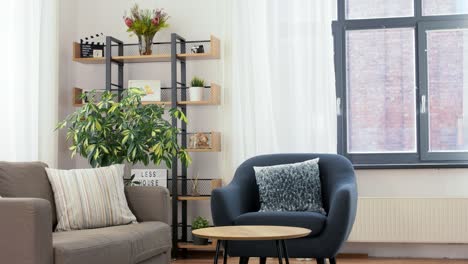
{"x": 124, "y": 244}
{"x": 311, "y": 220}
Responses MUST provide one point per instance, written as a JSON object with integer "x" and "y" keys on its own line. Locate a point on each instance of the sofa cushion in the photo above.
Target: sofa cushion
{"x": 311, "y": 220}
{"x": 26, "y": 180}
{"x": 118, "y": 244}
{"x": 90, "y": 198}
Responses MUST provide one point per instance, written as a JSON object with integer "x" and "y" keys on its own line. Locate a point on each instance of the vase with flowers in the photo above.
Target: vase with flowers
{"x": 145, "y": 23}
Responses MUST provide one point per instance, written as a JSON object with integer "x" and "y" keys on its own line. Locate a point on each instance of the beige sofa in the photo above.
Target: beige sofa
{"x": 27, "y": 220}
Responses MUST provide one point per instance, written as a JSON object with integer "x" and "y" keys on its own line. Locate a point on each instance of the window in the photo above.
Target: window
{"x": 444, "y": 7}
{"x": 402, "y": 82}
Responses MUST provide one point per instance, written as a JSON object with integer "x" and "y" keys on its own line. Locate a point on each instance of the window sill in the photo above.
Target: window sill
{"x": 411, "y": 166}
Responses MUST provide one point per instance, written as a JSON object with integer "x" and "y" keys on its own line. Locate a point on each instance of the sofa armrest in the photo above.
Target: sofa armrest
{"x": 148, "y": 203}
{"x": 227, "y": 203}
{"x": 25, "y": 231}
{"x": 340, "y": 218}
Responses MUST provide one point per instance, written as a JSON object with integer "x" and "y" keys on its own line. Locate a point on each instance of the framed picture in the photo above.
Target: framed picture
{"x": 152, "y": 88}
{"x": 150, "y": 177}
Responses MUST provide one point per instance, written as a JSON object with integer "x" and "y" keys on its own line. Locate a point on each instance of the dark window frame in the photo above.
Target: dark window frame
{"x": 422, "y": 158}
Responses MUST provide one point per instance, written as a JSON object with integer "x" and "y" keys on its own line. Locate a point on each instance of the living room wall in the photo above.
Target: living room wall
{"x": 197, "y": 20}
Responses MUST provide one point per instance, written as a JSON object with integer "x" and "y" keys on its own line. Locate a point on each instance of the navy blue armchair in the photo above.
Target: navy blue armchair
{"x": 238, "y": 204}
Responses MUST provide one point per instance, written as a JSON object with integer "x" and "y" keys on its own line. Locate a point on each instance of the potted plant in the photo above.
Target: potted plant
{"x": 198, "y": 223}
{"x": 145, "y": 24}
{"x": 196, "y": 89}
{"x": 107, "y": 132}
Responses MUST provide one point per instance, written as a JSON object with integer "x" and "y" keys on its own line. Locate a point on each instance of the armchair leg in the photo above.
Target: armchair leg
{"x": 332, "y": 260}
{"x": 244, "y": 260}
{"x": 320, "y": 261}
{"x": 263, "y": 260}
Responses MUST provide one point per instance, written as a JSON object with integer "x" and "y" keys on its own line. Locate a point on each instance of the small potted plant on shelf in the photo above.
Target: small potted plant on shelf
{"x": 145, "y": 24}
{"x": 108, "y": 132}
{"x": 196, "y": 89}
{"x": 198, "y": 223}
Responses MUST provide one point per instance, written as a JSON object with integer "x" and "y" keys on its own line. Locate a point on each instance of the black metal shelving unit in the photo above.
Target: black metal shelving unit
{"x": 178, "y": 45}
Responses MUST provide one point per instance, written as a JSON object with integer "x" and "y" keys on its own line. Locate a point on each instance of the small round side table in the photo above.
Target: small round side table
{"x": 244, "y": 233}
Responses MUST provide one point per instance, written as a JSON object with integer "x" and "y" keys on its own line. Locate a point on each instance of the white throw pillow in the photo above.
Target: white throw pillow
{"x": 90, "y": 198}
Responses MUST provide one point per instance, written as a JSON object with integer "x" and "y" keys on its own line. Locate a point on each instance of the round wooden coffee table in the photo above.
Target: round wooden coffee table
{"x": 244, "y": 233}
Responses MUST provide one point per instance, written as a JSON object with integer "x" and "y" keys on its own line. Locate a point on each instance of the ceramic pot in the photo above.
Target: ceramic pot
{"x": 199, "y": 241}
{"x": 196, "y": 93}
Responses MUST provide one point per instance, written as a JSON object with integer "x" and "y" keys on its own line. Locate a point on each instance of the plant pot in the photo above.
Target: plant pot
{"x": 196, "y": 93}
{"x": 199, "y": 240}
{"x": 145, "y": 44}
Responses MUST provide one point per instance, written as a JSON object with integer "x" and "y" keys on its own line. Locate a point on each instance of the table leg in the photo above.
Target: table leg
{"x": 225, "y": 254}
{"x": 285, "y": 251}
{"x": 218, "y": 245}
{"x": 278, "y": 249}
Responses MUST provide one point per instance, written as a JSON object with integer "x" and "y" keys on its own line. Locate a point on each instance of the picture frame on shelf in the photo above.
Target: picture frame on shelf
{"x": 152, "y": 88}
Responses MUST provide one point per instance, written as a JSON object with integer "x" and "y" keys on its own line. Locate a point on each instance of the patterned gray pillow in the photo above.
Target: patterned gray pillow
{"x": 290, "y": 187}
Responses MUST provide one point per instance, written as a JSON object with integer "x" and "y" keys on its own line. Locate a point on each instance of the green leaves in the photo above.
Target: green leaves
{"x": 197, "y": 82}
{"x": 108, "y": 132}
{"x": 200, "y": 222}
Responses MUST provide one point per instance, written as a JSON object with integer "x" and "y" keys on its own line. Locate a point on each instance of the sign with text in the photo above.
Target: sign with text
{"x": 150, "y": 177}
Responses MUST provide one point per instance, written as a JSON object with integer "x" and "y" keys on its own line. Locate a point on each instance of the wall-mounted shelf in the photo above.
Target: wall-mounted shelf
{"x": 214, "y": 53}
{"x": 204, "y": 189}
{"x": 214, "y": 98}
{"x": 193, "y": 198}
{"x": 77, "y": 101}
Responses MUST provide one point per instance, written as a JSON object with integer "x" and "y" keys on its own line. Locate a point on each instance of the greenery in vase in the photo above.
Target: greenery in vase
{"x": 146, "y": 22}
{"x": 200, "y": 222}
{"x": 108, "y": 132}
{"x": 197, "y": 82}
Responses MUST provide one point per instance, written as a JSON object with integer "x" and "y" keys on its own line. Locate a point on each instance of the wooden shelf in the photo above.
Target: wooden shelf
{"x": 215, "y": 183}
{"x": 193, "y": 198}
{"x": 77, "y": 101}
{"x": 214, "y": 98}
{"x": 156, "y": 102}
{"x": 215, "y": 144}
{"x": 187, "y": 245}
{"x": 213, "y": 54}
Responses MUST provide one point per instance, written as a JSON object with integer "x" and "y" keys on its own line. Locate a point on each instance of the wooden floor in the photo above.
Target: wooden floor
{"x": 206, "y": 259}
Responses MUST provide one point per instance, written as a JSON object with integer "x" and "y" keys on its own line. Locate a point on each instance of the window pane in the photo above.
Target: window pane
{"x": 381, "y": 90}
{"x": 447, "y": 57}
{"x": 360, "y": 9}
{"x": 444, "y": 7}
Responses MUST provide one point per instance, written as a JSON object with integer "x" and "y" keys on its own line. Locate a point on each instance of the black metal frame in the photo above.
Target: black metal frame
{"x": 176, "y": 61}
{"x": 281, "y": 251}
{"x": 110, "y": 61}
{"x": 422, "y": 157}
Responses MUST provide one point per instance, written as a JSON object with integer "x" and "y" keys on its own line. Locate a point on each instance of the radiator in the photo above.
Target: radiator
{"x": 411, "y": 220}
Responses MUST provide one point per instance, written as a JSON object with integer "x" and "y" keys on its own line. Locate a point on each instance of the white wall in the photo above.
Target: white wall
{"x": 197, "y": 20}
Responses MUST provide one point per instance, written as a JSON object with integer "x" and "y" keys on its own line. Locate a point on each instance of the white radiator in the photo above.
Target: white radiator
{"x": 411, "y": 220}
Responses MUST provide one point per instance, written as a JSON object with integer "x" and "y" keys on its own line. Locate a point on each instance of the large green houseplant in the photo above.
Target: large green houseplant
{"x": 109, "y": 132}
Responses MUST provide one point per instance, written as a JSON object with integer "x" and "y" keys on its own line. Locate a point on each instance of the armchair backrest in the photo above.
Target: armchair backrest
{"x": 334, "y": 171}
{"x": 26, "y": 180}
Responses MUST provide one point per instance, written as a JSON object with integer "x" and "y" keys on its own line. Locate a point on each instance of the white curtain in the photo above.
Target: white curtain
{"x": 28, "y": 84}
{"x": 283, "y": 86}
